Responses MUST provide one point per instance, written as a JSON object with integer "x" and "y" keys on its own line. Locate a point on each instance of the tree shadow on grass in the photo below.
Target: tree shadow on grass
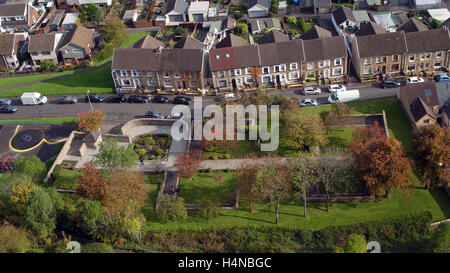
{"x": 252, "y": 219}
{"x": 442, "y": 199}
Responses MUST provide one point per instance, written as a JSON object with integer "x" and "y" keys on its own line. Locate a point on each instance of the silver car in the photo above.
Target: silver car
{"x": 308, "y": 102}
{"x": 311, "y": 90}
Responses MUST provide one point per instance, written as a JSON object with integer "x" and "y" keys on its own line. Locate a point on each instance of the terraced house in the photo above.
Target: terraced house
{"x": 168, "y": 69}
{"x": 279, "y": 64}
{"x": 401, "y": 54}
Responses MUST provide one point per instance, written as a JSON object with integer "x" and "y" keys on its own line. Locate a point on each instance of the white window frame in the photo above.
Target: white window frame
{"x": 166, "y": 76}
{"x": 309, "y": 66}
{"x": 267, "y": 75}
{"x": 218, "y": 83}
{"x": 126, "y": 85}
{"x": 308, "y": 77}
{"x": 438, "y": 54}
{"x": 338, "y": 68}
{"x": 379, "y": 60}
{"x": 268, "y": 70}
{"x": 439, "y": 66}
{"x": 150, "y": 74}
{"x": 237, "y": 72}
{"x": 168, "y": 86}
{"x": 123, "y": 73}
{"x": 338, "y": 61}
{"x": 134, "y": 73}
{"x": 414, "y": 69}
{"x": 248, "y": 70}
{"x": 327, "y": 63}
{"x": 152, "y": 85}
{"x": 367, "y": 61}
{"x": 282, "y": 67}
{"x": 247, "y": 79}
{"x": 292, "y": 77}
{"x": 369, "y": 69}
{"x": 221, "y": 74}
{"x": 413, "y": 58}
{"x": 321, "y": 64}
{"x": 176, "y": 74}
{"x": 293, "y": 66}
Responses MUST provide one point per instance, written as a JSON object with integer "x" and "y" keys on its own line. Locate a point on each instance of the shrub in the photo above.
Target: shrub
{"x": 291, "y": 20}
{"x": 31, "y": 166}
{"x": 214, "y": 157}
{"x": 209, "y": 170}
{"x": 158, "y": 151}
{"x": 227, "y": 170}
{"x": 227, "y": 156}
{"x": 97, "y": 248}
{"x": 48, "y": 65}
{"x": 152, "y": 157}
{"x": 149, "y": 141}
{"x": 171, "y": 208}
{"x": 137, "y": 146}
{"x": 142, "y": 153}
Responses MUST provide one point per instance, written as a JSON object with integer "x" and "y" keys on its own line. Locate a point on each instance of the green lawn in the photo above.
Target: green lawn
{"x": 98, "y": 81}
{"x": 153, "y": 183}
{"x": 66, "y": 120}
{"x": 205, "y": 185}
{"x": 66, "y": 179}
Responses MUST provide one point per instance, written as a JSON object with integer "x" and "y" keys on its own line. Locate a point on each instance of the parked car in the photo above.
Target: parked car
{"x": 116, "y": 99}
{"x": 390, "y": 84}
{"x": 151, "y": 114}
{"x": 160, "y": 99}
{"x": 308, "y": 102}
{"x": 336, "y": 88}
{"x": 138, "y": 99}
{"x": 414, "y": 80}
{"x": 311, "y": 90}
{"x": 94, "y": 98}
{"x": 442, "y": 78}
{"x": 182, "y": 100}
{"x": 5, "y": 101}
{"x": 7, "y": 108}
{"x": 33, "y": 98}
{"x": 231, "y": 96}
{"x": 177, "y": 115}
{"x": 67, "y": 100}
{"x": 346, "y": 96}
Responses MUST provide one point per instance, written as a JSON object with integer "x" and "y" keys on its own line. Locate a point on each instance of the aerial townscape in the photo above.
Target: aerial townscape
{"x": 224, "y": 126}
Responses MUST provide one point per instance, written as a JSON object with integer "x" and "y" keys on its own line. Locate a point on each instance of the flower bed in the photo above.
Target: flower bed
{"x": 152, "y": 146}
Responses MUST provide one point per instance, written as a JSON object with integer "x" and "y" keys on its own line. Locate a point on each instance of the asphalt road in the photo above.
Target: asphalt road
{"x": 127, "y": 111}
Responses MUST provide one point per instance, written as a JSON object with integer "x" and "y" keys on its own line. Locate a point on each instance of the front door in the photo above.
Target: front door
{"x": 326, "y": 73}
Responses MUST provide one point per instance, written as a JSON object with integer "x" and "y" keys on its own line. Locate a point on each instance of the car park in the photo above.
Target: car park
{"x": 442, "y": 78}
{"x": 94, "y": 98}
{"x": 308, "y": 102}
{"x": 311, "y": 90}
{"x": 67, "y": 100}
{"x": 151, "y": 114}
{"x": 138, "y": 99}
{"x": 177, "y": 115}
{"x": 389, "y": 84}
{"x": 5, "y": 101}
{"x": 414, "y": 80}
{"x": 182, "y": 100}
{"x": 160, "y": 99}
{"x": 7, "y": 108}
{"x": 336, "y": 88}
{"x": 115, "y": 99}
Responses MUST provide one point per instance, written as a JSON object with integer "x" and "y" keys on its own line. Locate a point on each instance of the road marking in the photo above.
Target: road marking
{"x": 35, "y": 146}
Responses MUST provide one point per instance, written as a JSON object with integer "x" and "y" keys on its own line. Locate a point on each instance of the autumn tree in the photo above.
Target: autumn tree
{"x": 302, "y": 176}
{"x": 90, "y": 121}
{"x": 19, "y": 196}
{"x": 355, "y": 243}
{"x": 112, "y": 157}
{"x": 13, "y": 239}
{"x": 382, "y": 164}
{"x": 330, "y": 174}
{"x": 208, "y": 207}
{"x": 114, "y": 31}
{"x": 286, "y": 103}
{"x": 171, "y": 208}
{"x": 432, "y": 145}
{"x": 367, "y": 134}
{"x": 273, "y": 183}
{"x": 91, "y": 184}
{"x": 188, "y": 164}
{"x": 247, "y": 186}
{"x": 338, "y": 115}
{"x": 304, "y": 132}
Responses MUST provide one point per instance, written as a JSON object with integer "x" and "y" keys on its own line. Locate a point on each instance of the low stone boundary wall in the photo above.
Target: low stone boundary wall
{"x": 145, "y": 122}
{"x": 224, "y": 206}
{"x": 435, "y": 225}
{"x": 161, "y": 191}
{"x": 340, "y": 198}
{"x": 119, "y": 138}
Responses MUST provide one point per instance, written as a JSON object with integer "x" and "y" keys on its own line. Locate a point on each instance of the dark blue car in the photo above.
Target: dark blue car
{"x": 442, "y": 78}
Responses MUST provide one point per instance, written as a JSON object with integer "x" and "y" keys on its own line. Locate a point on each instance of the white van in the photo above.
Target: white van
{"x": 31, "y": 98}
{"x": 344, "y": 96}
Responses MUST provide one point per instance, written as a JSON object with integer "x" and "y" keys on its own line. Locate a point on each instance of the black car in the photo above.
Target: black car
{"x": 390, "y": 84}
{"x": 67, "y": 100}
{"x": 94, "y": 98}
{"x": 137, "y": 99}
{"x": 5, "y": 101}
{"x": 160, "y": 99}
{"x": 7, "y": 108}
{"x": 182, "y": 100}
{"x": 115, "y": 99}
{"x": 151, "y": 114}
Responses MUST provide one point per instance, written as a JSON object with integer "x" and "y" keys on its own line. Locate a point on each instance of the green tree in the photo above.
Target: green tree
{"x": 302, "y": 177}
{"x": 114, "y": 31}
{"x": 304, "y": 133}
{"x": 93, "y": 14}
{"x": 13, "y": 239}
{"x": 208, "y": 207}
{"x": 241, "y": 29}
{"x": 97, "y": 248}
{"x": 111, "y": 156}
{"x": 19, "y": 196}
{"x": 181, "y": 31}
{"x": 91, "y": 211}
{"x": 171, "y": 208}
{"x": 273, "y": 10}
{"x": 48, "y": 65}
{"x": 40, "y": 214}
{"x": 355, "y": 244}
{"x": 440, "y": 239}
{"x": 31, "y": 166}
{"x": 291, "y": 20}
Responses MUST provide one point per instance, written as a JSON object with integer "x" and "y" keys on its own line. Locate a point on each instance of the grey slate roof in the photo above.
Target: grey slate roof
{"x": 370, "y": 28}
{"x": 175, "y": 59}
{"x": 273, "y": 36}
{"x": 264, "y": 3}
{"x": 324, "y": 49}
{"x": 179, "y": 6}
{"x": 443, "y": 92}
{"x": 342, "y": 14}
{"x": 381, "y": 44}
{"x": 322, "y": 3}
{"x": 281, "y": 53}
{"x": 149, "y": 42}
{"x": 6, "y": 43}
{"x": 315, "y": 32}
{"x": 41, "y": 43}
{"x": 232, "y": 41}
{"x": 412, "y": 25}
{"x": 428, "y": 41}
{"x": 12, "y": 9}
{"x": 189, "y": 42}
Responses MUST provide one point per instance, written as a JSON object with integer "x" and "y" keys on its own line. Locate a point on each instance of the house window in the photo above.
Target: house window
{"x": 152, "y": 83}
{"x": 166, "y": 74}
{"x": 337, "y": 61}
{"x": 223, "y": 83}
{"x": 337, "y": 71}
{"x": 411, "y": 67}
{"x": 248, "y": 70}
{"x": 126, "y": 82}
{"x": 123, "y": 73}
{"x": 437, "y": 64}
{"x": 67, "y": 50}
{"x": 378, "y": 60}
{"x": 394, "y": 67}
{"x": 276, "y": 68}
{"x": 221, "y": 74}
{"x": 266, "y": 70}
{"x": 294, "y": 75}
{"x": 310, "y": 75}
{"x": 309, "y": 66}
{"x": 150, "y": 74}
{"x": 194, "y": 84}
{"x": 266, "y": 79}
{"x": 367, "y": 61}
{"x": 283, "y": 67}
{"x": 367, "y": 71}
{"x": 237, "y": 72}
{"x": 249, "y": 80}
{"x": 327, "y": 63}
{"x": 232, "y": 74}
{"x": 320, "y": 64}
{"x": 428, "y": 56}
{"x": 439, "y": 54}
{"x": 168, "y": 84}
{"x": 2, "y": 19}
{"x": 177, "y": 75}
{"x": 422, "y": 57}
{"x": 77, "y": 51}
{"x": 411, "y": 58}
{"x": 8, "y": 19}
{"x": 134, "y": 73}
{"x": 293, "y": 66}
{"x": 193, "y": 75}
{"x": 395, "y": 58}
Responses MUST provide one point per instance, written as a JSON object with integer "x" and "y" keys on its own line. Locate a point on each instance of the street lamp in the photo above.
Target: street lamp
{"x": 89, "y": 99}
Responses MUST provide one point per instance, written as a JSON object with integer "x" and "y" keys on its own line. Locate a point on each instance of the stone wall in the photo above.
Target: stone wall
{"x": 145, "y": 122}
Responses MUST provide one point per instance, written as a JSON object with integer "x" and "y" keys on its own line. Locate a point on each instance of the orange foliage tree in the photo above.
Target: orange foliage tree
{"x": 90, "y": 121}
{"x": 91, "y": 184}
{"x": 188, "y": 164}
